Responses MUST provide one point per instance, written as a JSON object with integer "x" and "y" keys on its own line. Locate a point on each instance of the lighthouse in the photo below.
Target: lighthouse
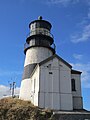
{"x": 48, "y": 81}
{"x": 39, "y": 43}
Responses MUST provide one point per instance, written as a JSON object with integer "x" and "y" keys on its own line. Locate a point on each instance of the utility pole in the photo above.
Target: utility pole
{"x": 12, "y": 88}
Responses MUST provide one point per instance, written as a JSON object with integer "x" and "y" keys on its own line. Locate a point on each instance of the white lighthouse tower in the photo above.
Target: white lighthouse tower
{"x": 48, "y": 80}
{"x": 38, "y": 47}
{"x": 38, "y": 44}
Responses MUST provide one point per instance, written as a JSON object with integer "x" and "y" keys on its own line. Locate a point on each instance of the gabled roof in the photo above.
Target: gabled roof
{"x": 75, "y": 72}
{"x": 58, "y": 57}
{"x": 29, "y": 69}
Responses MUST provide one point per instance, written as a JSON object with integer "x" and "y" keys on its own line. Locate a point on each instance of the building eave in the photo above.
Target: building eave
{"x": 75, "y": 72}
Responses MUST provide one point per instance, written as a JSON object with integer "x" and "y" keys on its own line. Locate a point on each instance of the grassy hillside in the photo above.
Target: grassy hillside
{"x": 15, "y": 109}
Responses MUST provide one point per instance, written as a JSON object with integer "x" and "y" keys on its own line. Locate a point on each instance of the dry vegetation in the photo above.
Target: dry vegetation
{"x": 15, "y": 109}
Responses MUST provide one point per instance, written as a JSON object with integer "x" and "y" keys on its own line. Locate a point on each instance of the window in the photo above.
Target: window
{"x": 50, "y": 72}
{"x": 49, "y": 66}
{"x": 32, "y": 26}
{"x": 73, "y": 85}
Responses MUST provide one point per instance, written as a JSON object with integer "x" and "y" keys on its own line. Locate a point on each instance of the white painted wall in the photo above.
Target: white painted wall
{"x": 65, "y": 78}
{"x": 50, "y": 87}
{"x": 35, "y": 86}
{"x": 36, "y": 55}
{"x": 30, "y": 87}
{"x": 66, "y": 101}
{"x": 55, "y": 88}
{"x": 25, "y": 89}
{"x": 77, "y": 96}
{"x": 77, "y": 78}
{"x": 77, "y": 102}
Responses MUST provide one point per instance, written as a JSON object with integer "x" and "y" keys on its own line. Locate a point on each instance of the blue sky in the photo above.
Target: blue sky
{"x": 70, "y": 21}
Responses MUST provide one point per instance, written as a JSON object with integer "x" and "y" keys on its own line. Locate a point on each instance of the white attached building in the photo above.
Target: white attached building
{"x": 48, "y": 80}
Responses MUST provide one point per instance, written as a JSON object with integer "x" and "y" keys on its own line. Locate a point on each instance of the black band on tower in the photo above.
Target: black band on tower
{"x": 28, "y": 70}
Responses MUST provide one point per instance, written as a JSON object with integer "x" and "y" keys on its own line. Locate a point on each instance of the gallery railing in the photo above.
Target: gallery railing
{"x": 40, "y": 32}
{"x": 26, "y": 46}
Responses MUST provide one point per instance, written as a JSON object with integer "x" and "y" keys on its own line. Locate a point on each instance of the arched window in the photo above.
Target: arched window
{"x": 73, "y": 84}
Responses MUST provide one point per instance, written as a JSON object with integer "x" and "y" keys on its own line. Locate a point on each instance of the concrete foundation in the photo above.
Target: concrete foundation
{"x": 79, "y": 115}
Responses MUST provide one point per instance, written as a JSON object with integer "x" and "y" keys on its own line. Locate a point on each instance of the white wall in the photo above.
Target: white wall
{"x": 25, "y": 89}
{"x": 30, "y": 87}
{"x": 77, "y": 96}
{"x": 55, "y": 88}
{"x": 65, "y": 78}
{"x": 35, "y": 86}
{"x": 77, "y": 102}
{"x": 36, "y": 55}
{"x": 66, "y": 101}
{"x": 77, "y": 78}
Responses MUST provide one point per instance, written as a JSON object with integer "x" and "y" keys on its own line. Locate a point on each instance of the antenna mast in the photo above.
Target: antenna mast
{"x": 12, "y": 88}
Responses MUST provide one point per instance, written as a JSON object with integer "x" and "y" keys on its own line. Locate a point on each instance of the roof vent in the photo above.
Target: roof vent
{"x": 40, "y": 18}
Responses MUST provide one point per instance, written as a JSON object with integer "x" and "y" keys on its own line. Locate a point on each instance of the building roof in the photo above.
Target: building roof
{"x": 28, "y": 70}
{"x": 75, "y": 72}
{"x": 58, "y": 57}
{"x": 45, "y": 61}
{"x": 43, "y": 22}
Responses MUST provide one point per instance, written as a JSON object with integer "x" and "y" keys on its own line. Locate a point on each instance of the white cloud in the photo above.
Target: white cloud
{"x": 9, "y": 73}
{"x": 82, "y": 37}
{"x": 88, "y": 2}
{"x": 77, "y": 56}
{"x": 85, "y": 69}
{"x": 5, "y": 91}
{"x": 84, "y": 33}
{"x": 89, "y": 15}
{"x": 62, "y": 2}
{"x": 67, "y": 2}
